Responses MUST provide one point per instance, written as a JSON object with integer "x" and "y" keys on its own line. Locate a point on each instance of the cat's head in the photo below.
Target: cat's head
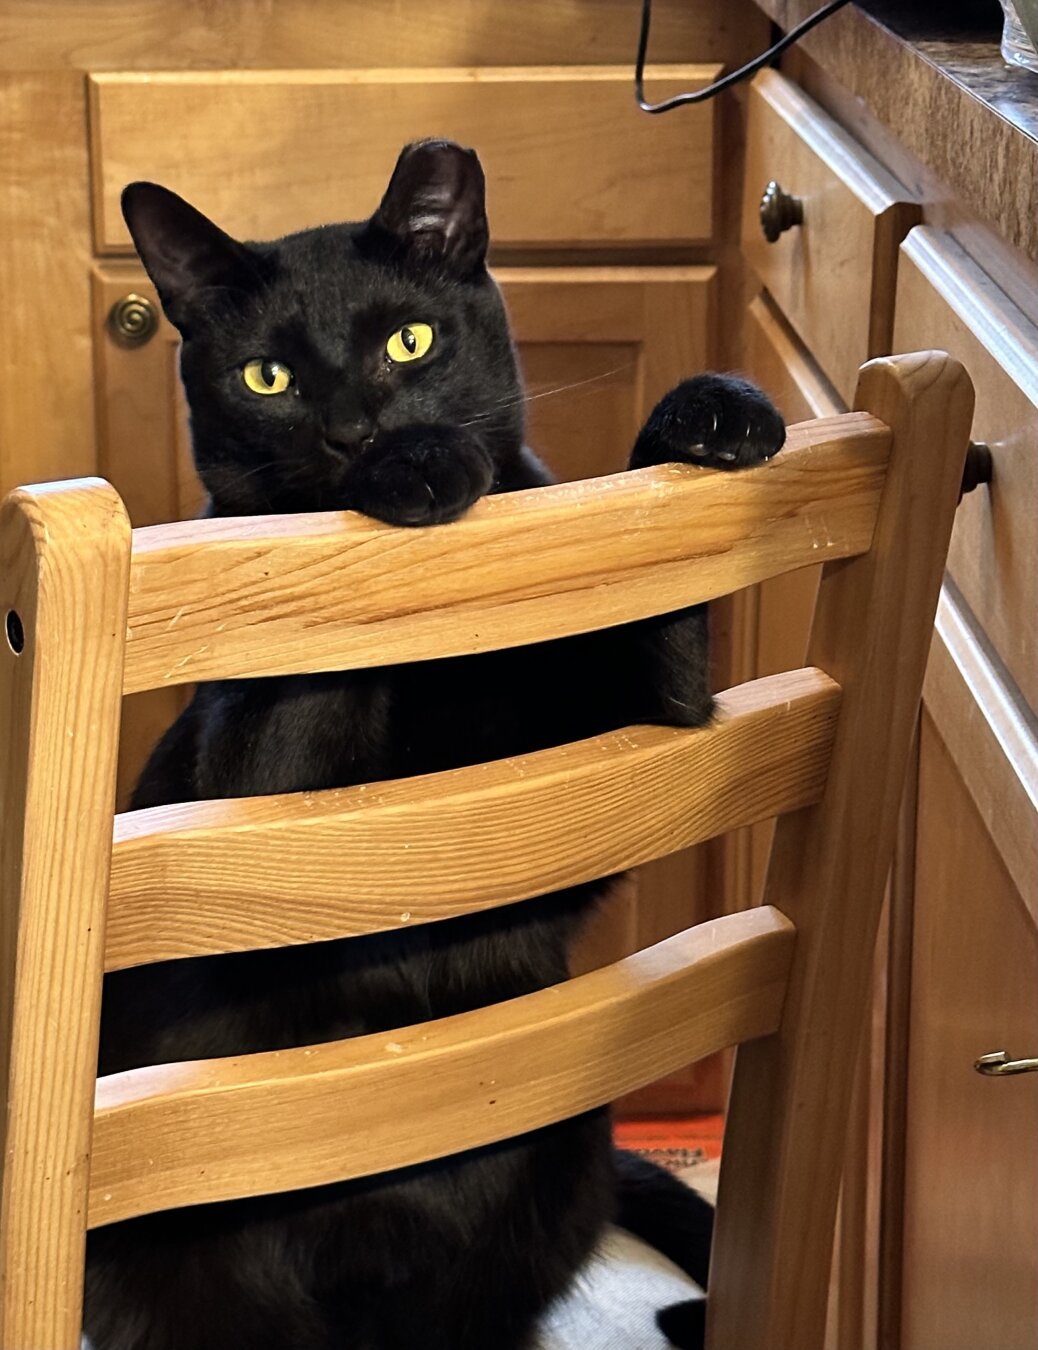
{"x": 298, "y": 353}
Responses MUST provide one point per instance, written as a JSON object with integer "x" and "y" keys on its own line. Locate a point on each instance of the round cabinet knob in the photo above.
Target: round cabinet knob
{"x": 133, "y": 320}
{"x": 779, "y": 211}
{"x": 979, "y": 467}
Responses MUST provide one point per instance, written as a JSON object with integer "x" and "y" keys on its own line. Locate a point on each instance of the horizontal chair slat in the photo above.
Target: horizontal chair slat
{"x": 184, "y": 1134}
{"x": 221, "y": 876}
{"x": 272, "y": 595}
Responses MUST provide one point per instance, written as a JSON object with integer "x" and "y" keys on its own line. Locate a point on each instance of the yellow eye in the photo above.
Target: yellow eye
{"x": 266, "y": 377}
{"x": 410, "y": 342}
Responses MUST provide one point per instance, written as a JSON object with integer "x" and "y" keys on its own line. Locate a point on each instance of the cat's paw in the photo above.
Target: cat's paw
{"x": 715, "y": 421}
{"x": 420, "y": 476}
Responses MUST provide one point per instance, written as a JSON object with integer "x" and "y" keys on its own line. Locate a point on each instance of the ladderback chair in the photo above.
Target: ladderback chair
{"x": 94, "y": 611}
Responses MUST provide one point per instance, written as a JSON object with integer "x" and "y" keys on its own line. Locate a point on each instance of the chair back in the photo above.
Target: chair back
{"x": 94, "y": 610}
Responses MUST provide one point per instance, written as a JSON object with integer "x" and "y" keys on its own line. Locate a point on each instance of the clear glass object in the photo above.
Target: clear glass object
{"x": 1017, "y": 47}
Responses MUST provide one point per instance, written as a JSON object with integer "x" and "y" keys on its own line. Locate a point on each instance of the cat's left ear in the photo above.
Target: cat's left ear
{"x": 191, "y": 261}
{"x": 434, "y": 210}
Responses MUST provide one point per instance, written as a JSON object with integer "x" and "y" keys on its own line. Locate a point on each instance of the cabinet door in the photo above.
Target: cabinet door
{"x": 598, "y": 347}
{"x": 970, "y": 1274}
{"x": 970, "y": 1233}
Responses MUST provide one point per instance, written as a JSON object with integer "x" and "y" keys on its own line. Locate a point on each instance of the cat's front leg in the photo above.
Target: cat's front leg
{"x": 715, "y": 421}
{"x": 419, "y": 475}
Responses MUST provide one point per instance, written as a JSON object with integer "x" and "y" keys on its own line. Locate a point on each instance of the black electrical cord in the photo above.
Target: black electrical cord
{"x": 726, "y": 81}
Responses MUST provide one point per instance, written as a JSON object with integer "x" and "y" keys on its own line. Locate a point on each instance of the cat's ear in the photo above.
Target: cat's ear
{"x": 434, "y": 210}
{"x": 190, "y": 260}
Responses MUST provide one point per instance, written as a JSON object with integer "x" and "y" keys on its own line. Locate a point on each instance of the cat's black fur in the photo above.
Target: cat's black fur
{"x": 466, "y": 1253}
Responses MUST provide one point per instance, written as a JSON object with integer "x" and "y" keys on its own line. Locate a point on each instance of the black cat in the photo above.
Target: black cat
{"x": 369, "y": 366}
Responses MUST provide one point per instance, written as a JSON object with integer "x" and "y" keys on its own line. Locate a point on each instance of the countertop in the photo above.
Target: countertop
{"x": 934, "y": 76}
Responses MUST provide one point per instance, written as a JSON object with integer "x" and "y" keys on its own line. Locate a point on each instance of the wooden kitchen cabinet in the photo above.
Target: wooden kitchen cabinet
{"x": 970, "y": 1238}
{"x": 937, "y": 1243}
{"x": 971, "y": 1160}
{"x": 831, "y": 266}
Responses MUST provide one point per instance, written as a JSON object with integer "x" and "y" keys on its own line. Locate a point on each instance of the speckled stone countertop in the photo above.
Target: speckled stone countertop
{"x": 933, "y": 74}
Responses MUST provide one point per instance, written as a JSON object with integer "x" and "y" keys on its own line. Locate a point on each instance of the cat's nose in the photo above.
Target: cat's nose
{"x": 347, "y": 437}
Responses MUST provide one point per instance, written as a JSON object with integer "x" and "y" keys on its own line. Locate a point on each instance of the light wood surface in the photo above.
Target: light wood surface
{"x": 157, "y": 35}
{"x": 46, "y": 412}
{"x": 64, "y": 564}
{"x": 620, "y": 337}
{"x": 971, "y": 1211}
{"x": 317, "y": 592}
{"x": 179, "y": 1134}
{"x": 990, "y": 739}
{"x": 828, "y": 870}
{"x": 943, "y": 296}
{"x": 268, "y": 871}
{"x": 534, "y": 128}
{"x": 833, "y": 276}
{"x": 784, "y": 606}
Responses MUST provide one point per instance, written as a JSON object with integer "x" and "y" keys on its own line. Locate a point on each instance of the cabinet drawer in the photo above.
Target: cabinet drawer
{"x": 568, "y": 161}
{"x": 945, "y": 300}
{"x": 833, "y": 274}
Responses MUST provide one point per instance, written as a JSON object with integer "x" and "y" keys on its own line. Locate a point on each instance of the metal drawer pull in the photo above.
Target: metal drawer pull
{"x": 998, "y": 1063}
{"x": 779, "y": 211}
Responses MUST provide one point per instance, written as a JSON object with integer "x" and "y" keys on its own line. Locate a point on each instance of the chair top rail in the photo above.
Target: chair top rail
{"x": 231, "y": 875}
{"x": 270, "y": 595}
{"x": 189, "y": 1133}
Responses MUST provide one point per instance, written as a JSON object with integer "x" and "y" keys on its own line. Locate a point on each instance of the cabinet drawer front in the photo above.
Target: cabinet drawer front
{"x": 833, "y": 274}
{"x": 945, "y": 300}
{"x": 569, "y": 161}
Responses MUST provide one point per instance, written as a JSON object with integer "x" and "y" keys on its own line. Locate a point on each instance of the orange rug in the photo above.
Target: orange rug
{"x": 673, "y": 1142}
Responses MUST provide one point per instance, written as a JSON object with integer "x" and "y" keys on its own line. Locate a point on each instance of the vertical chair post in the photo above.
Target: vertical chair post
{"x": 784, "y": 1145}
{"x": 64, "y": 576}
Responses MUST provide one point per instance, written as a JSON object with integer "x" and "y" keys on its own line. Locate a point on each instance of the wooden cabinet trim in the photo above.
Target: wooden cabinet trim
{"x": 533, "y": 126}
{"x": 158, "y": 34}
{"x": 833, "y": 275}
{"x": 946, "y": 300}
{"x": 990, "y": 740}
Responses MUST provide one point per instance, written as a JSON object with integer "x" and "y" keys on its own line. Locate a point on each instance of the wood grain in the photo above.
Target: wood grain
{"x": 599, "y": 346}
{"x": 991, "y": 741}
{"x": 832, "y": 276}
{"x": 269, "y": 594}
{"x": 944, "y": 297}
{"x": 269, "y": 871}
{"x": 533, "y": 127}
{"x": 971, "y": 1167}
{"x": 788, "y": 1115}
{"x": 784, "y": 606}
{"x": 181, "y": 1134}
{"x": 64, "y": 564}
{"x": 46, "y": 412}
{"x": 158, "y": 35}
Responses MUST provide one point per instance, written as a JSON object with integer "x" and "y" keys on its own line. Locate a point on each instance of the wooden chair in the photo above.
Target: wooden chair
{"x": 95, "y": 611}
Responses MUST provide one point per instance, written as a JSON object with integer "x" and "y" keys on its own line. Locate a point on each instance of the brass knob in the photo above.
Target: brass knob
{"x": 779, "y": 211}
{"x": 997, "y": 1064}
{"x": 133, "y": 320}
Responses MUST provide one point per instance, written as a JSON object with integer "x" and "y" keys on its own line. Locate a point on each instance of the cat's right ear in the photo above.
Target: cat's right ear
{"x": 191, "y": 261}
{"x": 434, "y": 210}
